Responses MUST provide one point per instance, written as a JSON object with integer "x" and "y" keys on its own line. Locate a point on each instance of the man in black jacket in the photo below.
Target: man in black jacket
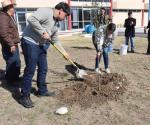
{"x": 130, "y": 24}
{"x": 148, "y": 36}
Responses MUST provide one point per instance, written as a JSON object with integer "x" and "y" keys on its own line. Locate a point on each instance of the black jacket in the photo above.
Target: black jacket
{"x": 130, "y": 24}
{"x": 148, "y": 26}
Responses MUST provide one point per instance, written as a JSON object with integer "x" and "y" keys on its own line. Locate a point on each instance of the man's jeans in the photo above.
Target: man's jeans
{"x": 12, "y": 63}
{"x": 131, "y": 41}
{"x": 34, "y": 55}
{"x": 105, "y": 58}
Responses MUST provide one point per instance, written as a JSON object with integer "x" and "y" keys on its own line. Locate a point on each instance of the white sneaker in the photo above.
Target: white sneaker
{"x": 97, "y": 70}
{"x": 107, "y": 70}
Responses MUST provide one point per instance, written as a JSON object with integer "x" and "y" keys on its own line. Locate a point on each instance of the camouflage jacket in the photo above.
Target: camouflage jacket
{"x": 100, "y": 20}
{"x": 101, "y": 39}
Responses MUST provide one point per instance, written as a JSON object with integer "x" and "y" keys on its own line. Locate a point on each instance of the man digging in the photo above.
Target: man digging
{"x": 42, "y": 28}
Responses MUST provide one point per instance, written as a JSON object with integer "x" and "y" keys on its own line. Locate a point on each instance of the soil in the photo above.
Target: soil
{"x": 119, "y": 98}
{"x": 95, "y": 88}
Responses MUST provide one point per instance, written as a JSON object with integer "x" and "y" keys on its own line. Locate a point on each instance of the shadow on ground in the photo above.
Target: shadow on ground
{"x": 116, "y": 51}
{"x": 13, "y": 88}
{"x": 71, "y": 69}
{"x": 139, "y": 53}
{"x": 79, "y": 47}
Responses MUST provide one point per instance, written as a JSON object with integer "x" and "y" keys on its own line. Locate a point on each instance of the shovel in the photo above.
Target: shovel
{"x": 80, "y": 72}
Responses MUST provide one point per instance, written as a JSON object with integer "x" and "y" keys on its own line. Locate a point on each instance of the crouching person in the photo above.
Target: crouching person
{"x": 36, "y": 39}
{"x": 102, "y": 40}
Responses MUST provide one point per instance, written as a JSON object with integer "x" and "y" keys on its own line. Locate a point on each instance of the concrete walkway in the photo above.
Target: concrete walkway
{"x": 139, "y": 32}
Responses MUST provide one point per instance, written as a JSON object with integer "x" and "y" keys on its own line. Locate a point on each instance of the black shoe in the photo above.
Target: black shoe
{"x": 26, "y": 102}
{"x": 148, "y": 53}
{"x": 132, "y": 51}
{"x": 47, "y": 94}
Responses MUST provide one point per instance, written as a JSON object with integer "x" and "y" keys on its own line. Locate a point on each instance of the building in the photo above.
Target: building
{"x": 139, "y": 8}
{"x": 81, "y": 11}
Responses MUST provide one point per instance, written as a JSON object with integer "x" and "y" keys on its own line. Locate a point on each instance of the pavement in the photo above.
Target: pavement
{"x": 139, "y": 32}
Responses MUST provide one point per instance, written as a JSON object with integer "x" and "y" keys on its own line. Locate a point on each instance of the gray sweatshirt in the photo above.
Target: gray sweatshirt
{"x": 40, "y": 21}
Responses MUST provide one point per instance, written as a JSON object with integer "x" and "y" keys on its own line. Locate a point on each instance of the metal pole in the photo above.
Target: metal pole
{"x": 69, "y": 18}
{"x": 111, "y": 6}
{"x": 149, "y": 11}
{"x": 142, "y": 21}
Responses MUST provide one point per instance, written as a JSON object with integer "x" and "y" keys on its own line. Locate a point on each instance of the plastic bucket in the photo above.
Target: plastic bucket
{"x": 123, "y": 49}
{"x": 86, "y": 28}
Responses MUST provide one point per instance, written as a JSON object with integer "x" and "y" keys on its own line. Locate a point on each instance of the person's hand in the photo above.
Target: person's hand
{"x": 145, "y": 29}
{"x": 132, "y": 22}
{"x": 46, "y": 36}
{"x": 12, "y": 49}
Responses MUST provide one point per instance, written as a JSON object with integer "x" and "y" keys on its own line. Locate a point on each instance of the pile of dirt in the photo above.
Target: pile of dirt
{"x": 95, "y": 88}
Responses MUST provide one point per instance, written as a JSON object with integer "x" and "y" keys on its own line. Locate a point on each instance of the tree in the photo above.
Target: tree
{"x": 96, "y": 12}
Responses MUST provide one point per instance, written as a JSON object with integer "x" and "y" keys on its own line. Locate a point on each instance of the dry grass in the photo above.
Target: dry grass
{"x": 133, "y": 108}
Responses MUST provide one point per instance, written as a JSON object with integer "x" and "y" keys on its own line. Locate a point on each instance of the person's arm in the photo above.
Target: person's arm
{"x": 134, "y": 23}
{"x": 148, "y": 26}
{"x": 56, "y": 41}
{"x": 36, "y": 19}
{"x": 4, "y": 31}
{"x": 125, "y": 23}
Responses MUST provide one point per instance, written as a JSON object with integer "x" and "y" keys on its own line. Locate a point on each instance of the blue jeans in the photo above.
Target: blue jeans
{"x": 12, "y": 63}
{"x": 105, "y": 58}
{"x": 34, "y": 55}
{"x": 131, "y": 41}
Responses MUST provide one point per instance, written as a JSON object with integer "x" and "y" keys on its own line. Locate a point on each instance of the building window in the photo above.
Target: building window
{"x": 87, "y": 15}
{"x": 21, "y": 17}
{"x": 75, "y": 18}
{"x": 92, "y": 0}
{"x": 85, "y": 0}
{"x": 63, "y": 25}
{"x": 21, "y": 20}
{"x": 102, "y": 0}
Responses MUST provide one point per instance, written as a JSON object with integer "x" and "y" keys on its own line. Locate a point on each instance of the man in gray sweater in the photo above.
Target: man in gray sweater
{"x": 42, "y": 28}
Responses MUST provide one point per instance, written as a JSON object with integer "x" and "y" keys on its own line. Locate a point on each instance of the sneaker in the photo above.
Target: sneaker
{"x": 97, "y": 70}
{"x": 26, "y": 102}
{"x": 46, "y": 94}
{"x": 107, "y": 70}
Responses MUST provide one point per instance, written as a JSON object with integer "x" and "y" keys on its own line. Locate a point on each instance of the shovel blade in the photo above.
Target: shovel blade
{"x": 80, "y": 73}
